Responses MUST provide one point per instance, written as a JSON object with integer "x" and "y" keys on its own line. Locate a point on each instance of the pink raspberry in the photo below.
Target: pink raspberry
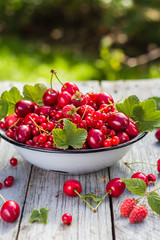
{"x": 127, "y": 206}
{"x": 138, "y": 214}
{"x": 151, "y": 177}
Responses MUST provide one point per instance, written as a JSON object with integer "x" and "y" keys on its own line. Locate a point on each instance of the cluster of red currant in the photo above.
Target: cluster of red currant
{"x": 10, "y": 179}
{"x": 32, "y": 124}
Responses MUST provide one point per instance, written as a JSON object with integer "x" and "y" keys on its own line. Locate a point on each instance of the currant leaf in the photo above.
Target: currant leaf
{"x": 34, "y": 93}
{"x": 92, "y": 196}
{"x": 3, "y": 108}
{"x": 40, "y": 217}
{"x": 69, "y": 136}
{"x": 157, "y": 99}
{"x": 146, "y": 115}
{"x": 135, "y": 186}
{"x": 127, "y": 106}
{"x": 154, "y": 202}
{"x": 11, "y": 97}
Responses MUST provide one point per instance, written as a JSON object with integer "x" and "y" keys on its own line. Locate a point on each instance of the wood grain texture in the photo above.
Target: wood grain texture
{"x": 147, "y": 150}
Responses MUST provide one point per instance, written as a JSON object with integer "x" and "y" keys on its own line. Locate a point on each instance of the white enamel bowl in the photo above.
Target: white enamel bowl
{"x": 73, "y": 161}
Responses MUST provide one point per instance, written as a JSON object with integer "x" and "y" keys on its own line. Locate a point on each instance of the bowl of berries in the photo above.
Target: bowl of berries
{"x": 70, "y": 132}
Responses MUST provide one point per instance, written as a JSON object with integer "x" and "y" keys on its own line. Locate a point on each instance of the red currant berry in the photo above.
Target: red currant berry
{"x": 48, "y": 145}
{"x": 89, "y": 121}
{"x": 115, "y": 187}
{"x": 9, "y": 133}
{"x": 30, "y": 142}
{"x": 70, "y": 186}
{"x": 50, "y": 126}
{"x": 76, "y": 118}
{"x": 99, "y": 124}
{"x": 58, "y": 115}
{"x": 97, "y": 115}
{"x": 115, "y": 141}
{"x": 35, "y": 131}
{"x": 83, "y": 124}
{"x": 43, "y": 126}
{"x": 2, "y": 125}
{"x": 42, "y": 138}
{"x": 104, "y": 108}
{"x": 104, "y": 129}
{"x": 10, "y": 211}
{"x": 112, "y": 133}
{"x": 13, "y": 161}
{"x": 104, "y": 117}
{"x": 42, "y": 119}
{"x": 141, "y": 176}
{"x": 1, "y": 185}
{"x": 8, "y": 182}
{"x": 11, "y": 178}
{"x": 107, "y": 143}
{"x": 67, "y": 218}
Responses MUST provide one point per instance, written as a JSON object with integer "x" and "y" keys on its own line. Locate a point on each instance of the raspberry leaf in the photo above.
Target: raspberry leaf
{"x": 11, "y": 97}
{"x": 135, "y": 186}
{"x": 3, "y": 109}
{"x": 127, "y": 106}
{"x": 69, "y": 136}
{"x": 40, "y": 217}
{"x": 34, "y": 93}
{"x": 92, "y": 196}
{"x": 154, "y": 202}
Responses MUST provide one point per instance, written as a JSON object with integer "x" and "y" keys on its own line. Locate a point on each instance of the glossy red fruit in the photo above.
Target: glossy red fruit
{"x": 115, "y": 187}
{"x": 1, "y": 185}
{"x": 142, "y": 176}
{"x": 71, "y": 185}
{"x": 8, "y": 182}
{"x": 31, "y": 118}
{"x": 158, "y": 165}
{"x": 24, "y": 133}
{"x": 85, "y": 110}
{"x": 11, "y": 119}
{"x": 151, "y": 177}
{"x": 123, "y": 137}
{"x": 115, "y": 141}
{"x": 9, "y": 133}
{"x": 11, "y": 178}
{"x": 67, "y": 218}
{"x": 107, "y": 143}
{"x": 68, "y": 111}
{"x": 64, "y": 99}
{"x": 95, "y": 138}
{"x": 50, "y": 97}
{"x": 132, "y": 130}
{"x": 104, "y": 98}
{"x": 13, "y": 161}
{"x": 45, "y": 110}
{"x": 69, "y": 87}
{"x": 23, "y": 107}
{"x": 79, "y": 99}
{"x": 2, "y": 125}
{"x": 118, "y": 121}
{"x": 10, "y": 211}
{"x": 157, "y": 134}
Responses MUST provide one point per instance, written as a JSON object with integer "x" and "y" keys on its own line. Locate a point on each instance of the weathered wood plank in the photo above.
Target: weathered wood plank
{"x": 43, "y": 188}
{"x": 147, "y": 150}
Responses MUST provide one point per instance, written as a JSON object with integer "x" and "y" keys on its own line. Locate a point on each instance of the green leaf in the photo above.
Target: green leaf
{"x": 11, "y": 97}
{"x": 40, "y": 217}
{"x": 127, "y": 106}
{"x": 157, "y": 100}
{"x": 69, "y": 136}
{"x": 135, "y": 186}
{"x": 154, "y": 202}
{"x": 34, "y": 93}
{"x": 147, "y": 116}
{"x": 3, "y": 108}
{"x": 92, "y": 196}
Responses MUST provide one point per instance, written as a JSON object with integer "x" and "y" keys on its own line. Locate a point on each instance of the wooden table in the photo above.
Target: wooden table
{"x": 35, "y": 188}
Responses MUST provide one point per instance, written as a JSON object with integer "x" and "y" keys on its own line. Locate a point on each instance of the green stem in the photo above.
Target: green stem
{"x": 2, "y": 198}
{"x": 132, "y": 170}
{"x": 84, "y": 200}
{"x": 59, "y": 80}
{"x": 51, "y": 82}
{"x": 101, "y": 200}
{"x": 141, "y": 163}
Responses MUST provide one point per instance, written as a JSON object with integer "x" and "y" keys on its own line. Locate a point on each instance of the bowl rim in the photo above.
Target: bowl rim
{"x": 71, "y": 151}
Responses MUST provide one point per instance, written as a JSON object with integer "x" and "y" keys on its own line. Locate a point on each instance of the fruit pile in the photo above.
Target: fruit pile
{"x": 103, "y": 125}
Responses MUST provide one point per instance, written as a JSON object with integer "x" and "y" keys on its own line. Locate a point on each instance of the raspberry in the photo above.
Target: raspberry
{"x": 151, "y": 177}
{"x": 127, "y": 206}
{"x": 138, "y": 214}
{"x": 68, "y": 111}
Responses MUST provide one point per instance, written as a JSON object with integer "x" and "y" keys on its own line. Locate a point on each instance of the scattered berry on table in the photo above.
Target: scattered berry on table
{"x": 1, "y": 185}
{"x": 115, "y": 187}
{"x": 10, "y": 211}
{"x": 157, "y": 134}
{"x": 67, "y": 218}
{"x": 127, "y": 206}
{"x": 138, "y": 214}
{"x": 70, "y": 186}
{"x": 142, "y": 176}
{"x": 151, "y": 177}
{"x": 13, "y": 161}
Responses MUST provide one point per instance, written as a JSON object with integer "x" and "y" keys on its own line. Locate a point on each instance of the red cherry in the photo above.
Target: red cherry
{"x": 24, "y": 133}
{"x": 10, "y": 211}
{"x": 123, "y": 137}
{"x": 50, "y": 97}
{"x": 45, "y": 110}
{"x": 2, "y": 125}
{"x": 142, "y": 176}
{"x": 11, "y": 119}
{"x": 64, "y": 99}
{"x": 13, "y": 161}
{"x": 67, "y": 218}
{"x": 118, "y": 121}
{"x": 115, "y": 187}
{"x": 132, "y": 130}
{"x": 151, "y": 177}
{"x": 157, "y": 134}
{"x": 95, "y": 138}
{"x": 158, "y": 165}
{"x": 104, "y": 98}
{"x": 23, "y": 107}
{"x": 70, "y": 186}
{"x": 69, "y": 87}
{"x": 1, "y": 185}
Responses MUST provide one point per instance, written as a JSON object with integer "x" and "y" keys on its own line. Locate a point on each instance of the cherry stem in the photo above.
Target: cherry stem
{"x": 101, "y": 200}
{"x": 2, "y": 198}
{"x": 141, "y": 163}
{"x": 132, "y": 170}
{"x": 51, "y": 82}
{"x": 59, "y": 79}
{"x": 84, "y": 200}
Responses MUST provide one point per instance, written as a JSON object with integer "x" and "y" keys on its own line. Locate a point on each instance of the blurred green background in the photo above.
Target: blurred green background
{"x": 81, "y": 39}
